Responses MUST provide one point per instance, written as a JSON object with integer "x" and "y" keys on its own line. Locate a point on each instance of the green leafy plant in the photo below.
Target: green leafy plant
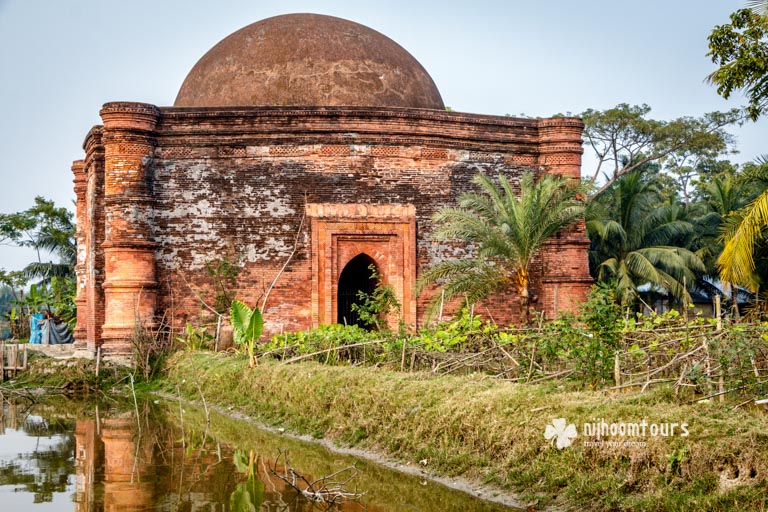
{"x": 452, "y": 335}
{"x": 248, "y": 324}
{"x": 507, "y": 228}
{"x": 61, "y": 299}
{"x": 374, "y": 307}
{"x": 322, "y": 338}
{"x": 194, "y": 338}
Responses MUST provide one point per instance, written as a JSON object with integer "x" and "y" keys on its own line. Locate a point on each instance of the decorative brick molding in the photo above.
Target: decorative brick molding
{"x": 386, "y": 233}
{"x": 279, "y": 126}
{"x": 81, "y": 300}
{"x": 130, "y": 281}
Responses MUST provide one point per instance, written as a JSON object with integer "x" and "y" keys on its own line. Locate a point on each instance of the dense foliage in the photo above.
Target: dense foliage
{"x": 672, "y": 215}
{"x": 46, "y": 285}
{"x": 740, "y": 49}
{"x": 602, "y": 346}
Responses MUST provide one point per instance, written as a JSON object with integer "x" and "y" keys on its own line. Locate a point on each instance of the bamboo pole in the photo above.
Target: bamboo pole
{"x": 25, "y": 356}
{"x": 402, "y": 358}
{"x": 218, "y": 332}
{"x": 2, "y": 362}
{"x": 718, "y": 313}
{"x": 720, "y": 383}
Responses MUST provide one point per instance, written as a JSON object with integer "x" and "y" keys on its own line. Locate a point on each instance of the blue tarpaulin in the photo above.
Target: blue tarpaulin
{"x": 35, "y": 328}
{"x": 44, "y": 331}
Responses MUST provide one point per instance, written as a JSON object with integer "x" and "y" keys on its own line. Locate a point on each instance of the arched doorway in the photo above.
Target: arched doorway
{"x": 355, "y": 277}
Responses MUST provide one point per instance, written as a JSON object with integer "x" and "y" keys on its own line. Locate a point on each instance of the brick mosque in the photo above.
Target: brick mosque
{"x": 305, "y": 148}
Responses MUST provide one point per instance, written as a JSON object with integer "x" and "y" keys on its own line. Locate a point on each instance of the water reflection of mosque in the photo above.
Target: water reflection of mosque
{"x": 119, "y": 468}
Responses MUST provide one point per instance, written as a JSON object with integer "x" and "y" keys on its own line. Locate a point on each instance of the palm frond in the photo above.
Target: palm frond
{"x": 506, "y": 227}
{"x": 758, "y": 6}
{"x": 737, "y": 261}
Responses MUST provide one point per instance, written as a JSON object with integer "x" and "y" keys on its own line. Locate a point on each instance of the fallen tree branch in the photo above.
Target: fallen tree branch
{"x": 322, "y": 490}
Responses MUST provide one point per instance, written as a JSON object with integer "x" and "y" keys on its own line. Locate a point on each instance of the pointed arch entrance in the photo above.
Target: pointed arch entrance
{"x": 355, "y": 278}
{"x": 386, "y": 234}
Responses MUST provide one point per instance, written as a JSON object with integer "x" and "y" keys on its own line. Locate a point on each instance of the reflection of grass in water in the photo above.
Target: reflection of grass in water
{"x": 385, "y": 488}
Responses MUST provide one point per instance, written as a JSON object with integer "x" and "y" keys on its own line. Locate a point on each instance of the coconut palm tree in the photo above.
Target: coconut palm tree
{"x": 638, "y": 241}
{"x": 720, "y": 196}
{"x": 506, "y": 230}
{"x": 758, "y": 6}
{"x": 745, "y": 234}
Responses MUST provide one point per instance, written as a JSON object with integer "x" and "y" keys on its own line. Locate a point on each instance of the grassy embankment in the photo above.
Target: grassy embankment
{"x": 489, "y": 430}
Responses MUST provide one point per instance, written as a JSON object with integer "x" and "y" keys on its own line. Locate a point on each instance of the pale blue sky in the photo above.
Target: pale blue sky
{"x": 61, "y": 60}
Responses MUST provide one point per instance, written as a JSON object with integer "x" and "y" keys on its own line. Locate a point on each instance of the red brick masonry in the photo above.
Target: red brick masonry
{"x": 163, "y": 190}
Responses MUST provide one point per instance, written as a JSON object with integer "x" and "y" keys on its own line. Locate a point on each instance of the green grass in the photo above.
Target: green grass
{"x": 489, "y": 430}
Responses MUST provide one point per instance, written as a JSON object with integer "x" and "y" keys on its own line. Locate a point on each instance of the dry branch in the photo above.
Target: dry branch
{"x": 330, "y": 489}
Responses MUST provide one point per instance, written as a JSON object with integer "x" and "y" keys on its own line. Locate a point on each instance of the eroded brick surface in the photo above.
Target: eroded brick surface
{"x": 164, "y": 190}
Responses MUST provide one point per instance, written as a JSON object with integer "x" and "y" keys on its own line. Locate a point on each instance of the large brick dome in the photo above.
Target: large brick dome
{"x": 308, "y": 60}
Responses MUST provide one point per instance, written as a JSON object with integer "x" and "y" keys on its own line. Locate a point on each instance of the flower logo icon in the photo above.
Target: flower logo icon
{"x": 560, "y": 434}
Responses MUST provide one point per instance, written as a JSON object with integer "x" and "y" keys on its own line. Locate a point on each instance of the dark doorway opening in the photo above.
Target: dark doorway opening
{"x": 355, "y": 278}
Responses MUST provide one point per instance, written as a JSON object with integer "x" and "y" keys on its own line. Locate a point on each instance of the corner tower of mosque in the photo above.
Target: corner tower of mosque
{"x": 301, "y": 149}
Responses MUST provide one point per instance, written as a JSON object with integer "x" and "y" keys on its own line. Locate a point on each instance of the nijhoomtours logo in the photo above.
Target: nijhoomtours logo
{"x": 561, "y": 434}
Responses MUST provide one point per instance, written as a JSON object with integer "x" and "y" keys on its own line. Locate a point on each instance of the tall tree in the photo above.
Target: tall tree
{"x": 507, "y": 230}
{"x": 624, "y": 138}
{"x": 636, "y": 240}
{"x": 47, "y": 229}
{"x": 719, "y": 195}
{"x": 740, "y": 50}
{"x": 685, "y": 163}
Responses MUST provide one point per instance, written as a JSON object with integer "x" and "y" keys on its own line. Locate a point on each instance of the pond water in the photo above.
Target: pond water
{"x": 161, "y": 455}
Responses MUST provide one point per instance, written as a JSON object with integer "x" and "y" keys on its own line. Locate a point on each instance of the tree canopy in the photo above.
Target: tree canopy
{"x": 47, "y": 229}
{"x": 740, "y": 49}
{"x": 636, "y": 240}
{"x": 625, "y": 138}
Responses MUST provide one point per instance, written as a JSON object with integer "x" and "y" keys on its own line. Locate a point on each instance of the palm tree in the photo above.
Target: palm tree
{"x": 758, "y": 6}
{"x": 507, "y": 230}
{"x": 636, "y": 240}
{"x": 745, "y": 234}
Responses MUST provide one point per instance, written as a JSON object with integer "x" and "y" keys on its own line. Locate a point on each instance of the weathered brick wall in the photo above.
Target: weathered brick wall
{"x": 237, "y": 183}
{"x": 81, "y": 300}
{"x": 93, "y": 279}
{"x": 252, "y": 207}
